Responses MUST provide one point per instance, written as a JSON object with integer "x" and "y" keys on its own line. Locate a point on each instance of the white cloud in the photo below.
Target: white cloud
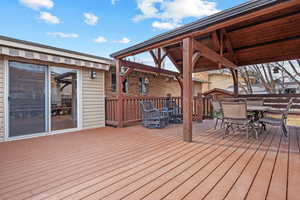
{"x": 49, "y": 18}
{"x": 172, "y": 12}
{"x": 164, "y": 25}
{"x": 124, "y": 40}
{"x": 113, "y": 2}
{"x": 100, "y": 39}
{"x": 63, "y": 35}
{"x": 37, "y": 4}
{"x": 90, "y": 19}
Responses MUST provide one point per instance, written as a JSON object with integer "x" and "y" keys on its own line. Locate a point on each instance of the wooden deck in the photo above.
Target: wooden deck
{"x": 138, "y": 163}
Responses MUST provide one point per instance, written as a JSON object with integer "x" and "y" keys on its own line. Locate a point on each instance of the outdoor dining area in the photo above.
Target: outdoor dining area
{"x": 252, "y": 116}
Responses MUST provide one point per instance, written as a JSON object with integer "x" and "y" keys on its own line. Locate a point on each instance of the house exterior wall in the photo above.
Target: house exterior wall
{"x": 219, "y": 81}
{"x": 92, "y": 96}
{"x": 93, "y": 101}
{"x": 158, "y": 85}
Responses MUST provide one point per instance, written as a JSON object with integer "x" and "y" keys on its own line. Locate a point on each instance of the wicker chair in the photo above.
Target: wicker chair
{"x": 153, "y": 117}
{"x": 217, "y": 112}
{"x": 280, "y": 121}
{"x": 235, "y": 114}
{"x": 175, "y": 115}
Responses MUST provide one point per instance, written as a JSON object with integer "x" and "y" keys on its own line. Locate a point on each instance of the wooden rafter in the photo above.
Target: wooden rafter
{"x": 158, "y": 58}
{"x": 228, "y": 45}
{"x": 154, "y": 57}
{"x": 215, "y": 41}
{"x": 212, "y": 55}
{"x": 173, "y": 61}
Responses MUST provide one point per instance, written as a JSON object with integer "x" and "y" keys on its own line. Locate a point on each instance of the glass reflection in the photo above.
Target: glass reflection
{"x": 63, "y": 98}
{"x": 27, "y": 99}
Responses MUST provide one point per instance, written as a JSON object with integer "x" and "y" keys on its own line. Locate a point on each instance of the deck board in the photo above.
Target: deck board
{"x": 136, "y": 163}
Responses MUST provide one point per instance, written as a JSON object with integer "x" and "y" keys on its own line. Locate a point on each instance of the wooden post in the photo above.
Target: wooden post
{"x": 235, "y": 77}
{"x": 199, "y": 107}
{"x": 187, "y": 89}
{"x": 119, "y": 90}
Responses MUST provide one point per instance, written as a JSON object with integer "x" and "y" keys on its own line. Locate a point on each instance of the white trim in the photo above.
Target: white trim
{"x": 6, "y": 106}
{"x": 78, "y": 87}
{"x": 48, "y": 109}
{"x": 80, "y": 96}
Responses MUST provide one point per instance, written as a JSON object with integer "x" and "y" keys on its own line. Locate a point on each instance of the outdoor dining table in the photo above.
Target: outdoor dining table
{"x": 262, "y": 108}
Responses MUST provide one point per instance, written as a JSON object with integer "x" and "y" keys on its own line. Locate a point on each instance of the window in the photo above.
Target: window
{"x": 33, "y": 89}
{"x": 125, "y": 86}
{"x": 142, "y": 85}
{"x": 113, "y": 82}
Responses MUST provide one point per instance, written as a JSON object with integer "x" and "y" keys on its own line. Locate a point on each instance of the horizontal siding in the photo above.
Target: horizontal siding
{"x": 93, "y": 102}
{"x": 2, "y": 100}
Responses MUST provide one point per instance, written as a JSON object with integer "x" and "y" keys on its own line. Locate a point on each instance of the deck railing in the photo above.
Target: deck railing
{"x": 132, "y": 112}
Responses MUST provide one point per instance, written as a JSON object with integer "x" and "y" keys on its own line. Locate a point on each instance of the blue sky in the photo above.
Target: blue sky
{"x": 100, "y": 27}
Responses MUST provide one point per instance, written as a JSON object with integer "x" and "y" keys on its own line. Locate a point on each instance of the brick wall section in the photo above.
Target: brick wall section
{"x": 159, "y": 85}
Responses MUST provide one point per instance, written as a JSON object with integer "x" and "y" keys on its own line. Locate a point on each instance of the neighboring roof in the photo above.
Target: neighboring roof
{"x": 217, "y": 90}
{"x": 236, "y": 11}
{"x": 26, "y": 45}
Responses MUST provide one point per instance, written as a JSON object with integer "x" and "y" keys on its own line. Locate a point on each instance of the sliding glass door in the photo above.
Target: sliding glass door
{"x": 27, "y": 99}
{"x": 63, "y": 98}
{"x": 41, "y": 99}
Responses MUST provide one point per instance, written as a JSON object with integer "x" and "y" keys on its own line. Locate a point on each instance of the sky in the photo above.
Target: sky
{"x": 100, "y": 27}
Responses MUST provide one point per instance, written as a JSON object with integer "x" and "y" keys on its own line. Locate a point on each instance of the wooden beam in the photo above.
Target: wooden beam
{"x": 228, "y": 45}
{"x": 235, "y": 77}
{"x": 196, "y": 56}
{"x": 212, "y": 55}
{"x": 215, "y": 41}
{"x": 144, "y": 67}
{"x": 119, "y": 90}
{"x": 154, "y": 57}
{"x": 173, "y": 61}
{"x": 129, "y": 70}
{"x": 187, "y": 89}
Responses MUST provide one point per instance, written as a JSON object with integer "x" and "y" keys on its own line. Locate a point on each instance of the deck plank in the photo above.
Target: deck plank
{"x": 260, "y": 185}
{"x": 137, "y": 163}
{"x": 225, "y": 184}
{"x": 294, "y": 163}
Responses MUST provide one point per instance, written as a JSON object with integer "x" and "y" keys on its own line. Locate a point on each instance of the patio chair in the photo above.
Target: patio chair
{"x": 176, "y": 115}
{"x": 235, "y": 114}
{"x": 153, "y": 117}
{"x": 279, "y": 121}
{"x": 256, "y": 102}
{"x": 174, "y": 111}
{"x": 217, "y": 113}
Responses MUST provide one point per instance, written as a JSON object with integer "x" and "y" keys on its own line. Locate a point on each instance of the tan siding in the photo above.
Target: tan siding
{"x": 2, "y": 99}
{"x": 93, "y": 100}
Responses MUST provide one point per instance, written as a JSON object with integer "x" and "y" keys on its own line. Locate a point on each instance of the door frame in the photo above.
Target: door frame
{"x": 48, "y": 101}
{"x": 78, "y": 96}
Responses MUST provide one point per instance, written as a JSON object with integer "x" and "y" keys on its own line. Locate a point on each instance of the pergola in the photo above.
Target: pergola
{"x": 255, "y": 32}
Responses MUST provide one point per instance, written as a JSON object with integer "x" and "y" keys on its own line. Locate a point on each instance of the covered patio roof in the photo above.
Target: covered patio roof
{"x": 255, "y": 32}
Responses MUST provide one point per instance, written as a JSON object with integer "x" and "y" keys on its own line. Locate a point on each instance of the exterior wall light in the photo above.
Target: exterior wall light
{"x": 93, "y": 74}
